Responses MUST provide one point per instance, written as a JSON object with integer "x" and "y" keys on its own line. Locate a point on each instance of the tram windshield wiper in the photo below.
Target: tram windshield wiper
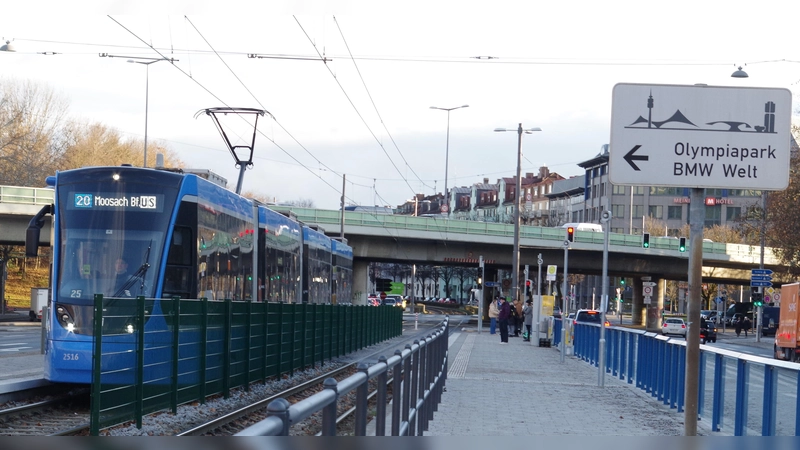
{"x": 138, "y": 275}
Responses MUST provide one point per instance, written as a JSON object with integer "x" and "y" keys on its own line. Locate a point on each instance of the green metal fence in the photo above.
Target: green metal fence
{"x": 155, "y": 355}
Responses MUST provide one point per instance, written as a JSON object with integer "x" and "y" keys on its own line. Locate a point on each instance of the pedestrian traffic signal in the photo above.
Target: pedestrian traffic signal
{"x": 480, "y": 282}
{"x": 622, "y": 281}
{"x": 646, "y": 240}
{"x": 758, "y": 302}
{"x": 528, "y": 287}
{"x": 571, "y": 234}
{"x": 682, "y": 244}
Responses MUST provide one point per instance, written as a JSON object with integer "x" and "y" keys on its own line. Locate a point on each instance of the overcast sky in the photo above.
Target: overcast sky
{"x": 365, "y": 112}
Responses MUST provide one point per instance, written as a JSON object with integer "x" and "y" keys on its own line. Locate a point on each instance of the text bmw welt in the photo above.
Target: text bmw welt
{"x": 741, "y": 169}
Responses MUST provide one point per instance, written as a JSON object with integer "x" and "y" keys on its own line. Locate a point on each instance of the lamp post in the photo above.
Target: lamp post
{"x": 517, "y": 198}
{"x": 146, "y": 62}
{"x": 447, "y": 153}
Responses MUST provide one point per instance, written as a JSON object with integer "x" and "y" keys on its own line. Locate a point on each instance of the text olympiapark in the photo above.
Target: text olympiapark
{"x": 691, "y": 152}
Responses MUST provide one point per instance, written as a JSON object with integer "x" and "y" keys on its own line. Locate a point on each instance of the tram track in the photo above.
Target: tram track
{"x": 69, "y": 414}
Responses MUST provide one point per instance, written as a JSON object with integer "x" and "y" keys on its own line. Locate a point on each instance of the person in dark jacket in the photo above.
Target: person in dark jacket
{"x": 505, "y": 314}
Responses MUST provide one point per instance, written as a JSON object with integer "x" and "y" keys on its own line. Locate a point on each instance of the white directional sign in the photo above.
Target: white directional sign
{"x": 700, "y": 136}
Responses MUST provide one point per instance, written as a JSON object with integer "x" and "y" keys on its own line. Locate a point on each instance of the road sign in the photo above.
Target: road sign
{"x": 760, "y": 278}
{"x": 383, "y": 295}
{"x": 491, "y": 284}
{"x": 647, "y": 291}
{"x": 648, "y": 283}
{"x": 760, "y": 283}
{"x": 767, "y": 298}
{"x": 444, "y": 208}
{"x": 760, "y": 272}
{"x": 551, "y": 273}
{"x": 770, "y": 290}
{"x": 700, "y": 136}
{"x": 776, "y": 297}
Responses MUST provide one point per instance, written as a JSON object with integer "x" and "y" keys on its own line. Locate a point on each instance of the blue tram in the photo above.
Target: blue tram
{"x": 125, "y": 232}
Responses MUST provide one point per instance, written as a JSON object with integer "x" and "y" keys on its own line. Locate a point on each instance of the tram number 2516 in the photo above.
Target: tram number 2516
{"x": 71, "y": 356}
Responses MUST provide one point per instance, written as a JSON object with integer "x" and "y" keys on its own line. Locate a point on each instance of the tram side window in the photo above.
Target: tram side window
{"x": 177, "y": 277}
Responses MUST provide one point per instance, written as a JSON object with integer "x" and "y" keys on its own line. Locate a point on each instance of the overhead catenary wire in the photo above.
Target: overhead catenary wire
{"x": 372, "y": 100}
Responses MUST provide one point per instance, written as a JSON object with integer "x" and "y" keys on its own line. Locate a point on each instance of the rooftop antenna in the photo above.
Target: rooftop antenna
{"x": 240, "y": 152}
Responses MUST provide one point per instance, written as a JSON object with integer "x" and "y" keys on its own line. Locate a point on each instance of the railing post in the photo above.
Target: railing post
{"x": 362, "y": 403}
{"x": 140, "y": 321}
{"x": 740, "y": 420}
{"x": 280, "y": 408}
{"x": 719, "y": 392}
{"x": 329, "y": 412}
{"x": 420, "y": 377}
{"x": 380, "y": 413}
{"x": 203, "y": 348}
{"x": 397, "y": 393}
{"x": 248, "y": 343}
{"x": 409, "y": 388}
{"x": 175, "y": 354}
{"x": 226, "y": 369}
{"x": 97, "y": 365}
{"x": 770, "y": 401}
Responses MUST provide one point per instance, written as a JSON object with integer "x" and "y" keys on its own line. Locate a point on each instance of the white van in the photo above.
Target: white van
{"x": 584, "y": 226}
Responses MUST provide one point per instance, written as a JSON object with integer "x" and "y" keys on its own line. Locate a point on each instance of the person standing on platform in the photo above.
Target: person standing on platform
{"x": 517, "y": 315}
{"x": 502, "y": 317}
{"x": 494, "y": 310}
{"x": 527, "y": 313}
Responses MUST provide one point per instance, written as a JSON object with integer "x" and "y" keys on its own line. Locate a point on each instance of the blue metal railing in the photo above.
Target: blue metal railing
{"x": 759, "y": 394}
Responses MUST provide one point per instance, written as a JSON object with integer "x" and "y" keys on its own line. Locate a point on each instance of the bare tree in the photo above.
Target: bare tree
{"x": 31, "y": 143}
{"x": 302, "y": 203}
{"x": 94, "y": 144}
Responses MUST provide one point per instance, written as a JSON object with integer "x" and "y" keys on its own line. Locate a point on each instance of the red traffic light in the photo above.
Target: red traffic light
{"x": 528, "y": 283}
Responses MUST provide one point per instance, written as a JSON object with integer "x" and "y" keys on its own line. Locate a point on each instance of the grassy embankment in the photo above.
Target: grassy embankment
{"x": 19, "y": 282}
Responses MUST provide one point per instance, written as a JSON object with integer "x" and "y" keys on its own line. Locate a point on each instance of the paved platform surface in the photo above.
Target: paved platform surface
{"x": 519, "y": 389}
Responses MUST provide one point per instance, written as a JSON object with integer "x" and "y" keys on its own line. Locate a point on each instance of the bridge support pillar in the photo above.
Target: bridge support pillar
{"x": 637, "y": 305}
{"x": 360, "y": 282}
{"x": 656, "y": 306}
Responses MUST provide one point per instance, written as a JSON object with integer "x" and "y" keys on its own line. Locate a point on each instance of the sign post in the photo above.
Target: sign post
{"x": 699, "y": 137}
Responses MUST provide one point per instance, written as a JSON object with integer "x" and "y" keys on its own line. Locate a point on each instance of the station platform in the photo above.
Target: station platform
{"x": 521, "y": 389}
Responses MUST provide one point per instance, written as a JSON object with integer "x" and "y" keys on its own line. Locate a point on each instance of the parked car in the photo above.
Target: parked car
{"x": 674, "y": 325}
{"x": 708, "y": 331}
{"x": 588, "y": 316}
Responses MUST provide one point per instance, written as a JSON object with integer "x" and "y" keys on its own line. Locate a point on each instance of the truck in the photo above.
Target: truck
{"x": 786, "y": 341}
{"x": 38, "y": 302}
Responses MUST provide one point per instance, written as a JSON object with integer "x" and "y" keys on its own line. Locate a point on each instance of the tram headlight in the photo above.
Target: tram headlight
{"x": 129, "y": 328}
{"x": 70, "y": 327}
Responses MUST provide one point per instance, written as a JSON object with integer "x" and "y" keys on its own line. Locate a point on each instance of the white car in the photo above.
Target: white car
{"x": 674, "y": 326}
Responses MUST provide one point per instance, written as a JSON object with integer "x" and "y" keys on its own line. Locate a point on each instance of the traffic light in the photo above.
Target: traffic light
{"x": 682, "y": 244}
{"x": 622, "y": 282}
{"x": 758, "y": 302}
{"x": 383, "y": 284}
{"x": 528, "y": 286}
{"x": 571, "y": 234}
{"x": 757, "y": 296}
{"x": 480, "y": 282}
{"x": 645, "y": 240}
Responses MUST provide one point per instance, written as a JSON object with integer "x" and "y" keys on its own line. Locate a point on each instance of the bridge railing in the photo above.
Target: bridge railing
{"x": 26, "y": 195}
{"x": 390, "y": 221}
{"x": 737, "y": 392}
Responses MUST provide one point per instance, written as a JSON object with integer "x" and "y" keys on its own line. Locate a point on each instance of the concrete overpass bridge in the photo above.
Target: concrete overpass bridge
{"x": 427, "y": 240}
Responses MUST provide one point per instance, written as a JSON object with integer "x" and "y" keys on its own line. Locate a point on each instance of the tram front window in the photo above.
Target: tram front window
{"x": 115, "y": 263}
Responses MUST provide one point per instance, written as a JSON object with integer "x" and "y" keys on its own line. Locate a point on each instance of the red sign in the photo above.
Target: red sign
{"x": 711, "y": 201}
{"x": 383, "y": 295}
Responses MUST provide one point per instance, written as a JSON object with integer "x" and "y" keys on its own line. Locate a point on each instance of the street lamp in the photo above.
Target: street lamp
{"x": 517, "y": 198}
{"x": 146, "y": 62}
{"x": 447, "y": 153}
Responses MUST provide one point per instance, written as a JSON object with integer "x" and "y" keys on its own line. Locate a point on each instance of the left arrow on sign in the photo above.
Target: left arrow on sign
{"x": 630, "y": 157}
